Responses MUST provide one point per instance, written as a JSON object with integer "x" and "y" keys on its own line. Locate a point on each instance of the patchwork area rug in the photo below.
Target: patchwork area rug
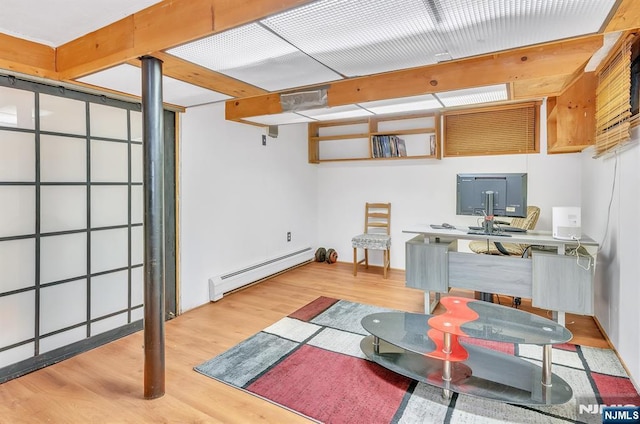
{"x": 311, "y": 363}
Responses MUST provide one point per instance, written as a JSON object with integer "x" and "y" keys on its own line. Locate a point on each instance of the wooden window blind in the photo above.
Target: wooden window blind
{"x": 613, "y": 101}
{"x": 499, "y": 130}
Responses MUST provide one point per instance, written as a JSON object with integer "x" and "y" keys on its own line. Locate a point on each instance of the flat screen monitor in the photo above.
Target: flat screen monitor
{"x": 492, "y": 194}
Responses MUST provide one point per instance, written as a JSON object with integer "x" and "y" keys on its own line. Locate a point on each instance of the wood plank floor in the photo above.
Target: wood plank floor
{"x": 105, "y": 384}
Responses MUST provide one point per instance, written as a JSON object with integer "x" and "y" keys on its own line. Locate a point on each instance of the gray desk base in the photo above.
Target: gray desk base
{"x": 552, "y": 281}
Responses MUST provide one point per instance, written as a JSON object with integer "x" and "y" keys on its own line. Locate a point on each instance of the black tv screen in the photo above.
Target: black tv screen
{"x": 508, "y": 193}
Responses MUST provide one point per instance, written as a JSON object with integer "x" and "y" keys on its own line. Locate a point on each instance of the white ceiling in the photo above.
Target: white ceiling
{"x": 56, "y": 22}
{"x": 323, "y": 41}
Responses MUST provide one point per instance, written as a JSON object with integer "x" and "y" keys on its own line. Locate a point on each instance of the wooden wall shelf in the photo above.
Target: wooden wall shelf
{"x": 356, "y": 139}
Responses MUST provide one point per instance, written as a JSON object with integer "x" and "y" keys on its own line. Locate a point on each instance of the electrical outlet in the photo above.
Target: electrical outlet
{"x": 289, "y": 236}
{"x": 264, "y": 140}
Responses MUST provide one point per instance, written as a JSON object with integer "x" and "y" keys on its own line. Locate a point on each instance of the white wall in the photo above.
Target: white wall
{"x": 424, "y": 191}
{"x": 615, "y": 179}
{"x": 238, "y": 198}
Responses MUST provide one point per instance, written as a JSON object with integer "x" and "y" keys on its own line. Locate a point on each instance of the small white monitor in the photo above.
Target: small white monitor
{"x": 566, "y": 222}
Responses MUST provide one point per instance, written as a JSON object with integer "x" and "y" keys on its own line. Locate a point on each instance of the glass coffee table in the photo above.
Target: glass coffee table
{"x": 436, "y": 349}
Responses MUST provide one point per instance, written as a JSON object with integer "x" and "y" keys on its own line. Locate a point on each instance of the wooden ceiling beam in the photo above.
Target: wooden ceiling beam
{"x": 27, "y": 57}
{"x": 626, "y": 17}
{"x": 188, "y": 72}
{"x": 159, "y": 27}
{"x": 514, "y": 66}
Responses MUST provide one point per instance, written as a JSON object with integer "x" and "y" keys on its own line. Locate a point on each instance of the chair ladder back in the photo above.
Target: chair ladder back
{"x": 377, "y": 215}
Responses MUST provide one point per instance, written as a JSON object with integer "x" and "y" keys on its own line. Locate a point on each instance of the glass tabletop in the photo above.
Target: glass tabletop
{"x": 493, "y": 322}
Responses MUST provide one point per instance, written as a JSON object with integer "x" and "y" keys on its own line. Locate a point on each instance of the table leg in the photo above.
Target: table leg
{"x": 446, "y": 368}
{"x": 546, "y": 365}
{"x": 376, "y": 345}
{"x": 429, "y": 306}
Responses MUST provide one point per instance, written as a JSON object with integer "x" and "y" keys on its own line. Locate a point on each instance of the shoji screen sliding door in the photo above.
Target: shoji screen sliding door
{"x": 71, "y": 213}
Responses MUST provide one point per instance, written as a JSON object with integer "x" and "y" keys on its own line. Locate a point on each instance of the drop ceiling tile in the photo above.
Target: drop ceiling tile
{"x": 57, "y": 22}
{"x": 279, "y": 119}
{"x": 403, "y": 104}
{"x": 336, "y": 112}
{"x": 470, "y": 28}
{"x": 361, "y": 37}
{"x": 255, "y": 55}
{"x": 128, "y": 79}
{"x": 470, "y": 96}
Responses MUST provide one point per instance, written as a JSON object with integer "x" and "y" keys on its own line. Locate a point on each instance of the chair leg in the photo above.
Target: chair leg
{"x": 385, "y": 264}
{"x": 366, "y": 258}
{"x": 355, "y": 261}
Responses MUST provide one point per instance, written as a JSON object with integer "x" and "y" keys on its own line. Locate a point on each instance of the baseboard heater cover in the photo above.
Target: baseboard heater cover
{"x": 224, "y": 283}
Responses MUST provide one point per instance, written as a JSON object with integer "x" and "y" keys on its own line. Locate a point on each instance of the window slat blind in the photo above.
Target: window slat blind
{"x": 613, "y": 101}
{"x": 510, "y": 129}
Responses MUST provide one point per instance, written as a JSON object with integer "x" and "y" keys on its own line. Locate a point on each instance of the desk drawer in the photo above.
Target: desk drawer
{"x": 491, "y": 274}
{"x": 560, "y": 284}
{"x": 427, "y": 265}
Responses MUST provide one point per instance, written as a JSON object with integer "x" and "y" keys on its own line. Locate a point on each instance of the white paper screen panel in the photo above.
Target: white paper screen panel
{"x": 137, "y": 286}
{"x": 18, "y": 211}
{"x": 62, "y": 257}
{"x": 17, "y": 264}
{"x": 63, "y": 208}
{"x": 63, "y": 115}
{"x": 108, "y": 122}
{"x": 17, "y": 312}
{"x": 136, "y": 125}
{"x": 109, "y": 205}
{"x": 16, "y": 354}
{"x": 63, "y": 159}
{"x": 62, "y": 339}
{"x": 17, "y": 156}
{"x": 63, "y": 305}
{"x": 109, "y": 161}
{"x": 109, "y": 293}
{"x": 109, "y": 323}
{"x": 17, "y": 108}
{"x": 108, "y": 249}
{"x": 137, "y": 245}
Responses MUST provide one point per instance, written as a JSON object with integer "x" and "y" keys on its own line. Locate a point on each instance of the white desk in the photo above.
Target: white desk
{"x": 551, "y": 278}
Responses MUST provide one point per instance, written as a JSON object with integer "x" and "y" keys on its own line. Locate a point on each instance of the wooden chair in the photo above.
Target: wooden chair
{"x": 516, "y": 249}
{"x": 376, "y": 236}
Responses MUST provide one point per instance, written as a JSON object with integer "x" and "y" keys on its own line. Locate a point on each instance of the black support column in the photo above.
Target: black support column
{"x": 153, "y": 153}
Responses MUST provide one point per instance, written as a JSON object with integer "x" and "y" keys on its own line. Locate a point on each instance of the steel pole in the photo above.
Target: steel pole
{"x": 153, "y": 154}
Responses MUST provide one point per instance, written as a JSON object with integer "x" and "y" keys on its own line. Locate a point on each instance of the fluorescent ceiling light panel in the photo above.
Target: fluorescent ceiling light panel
{"x": 255, "y": 55}
{"x": 361, "y": 37}
{"x": 337, "y": 112}
{"x": 470, "y": 96}
{"x": 403, "y": 104}
{"x": 279, "y": 119}
{"x": 128, "y": 79}
{"x": 470, "y": 28}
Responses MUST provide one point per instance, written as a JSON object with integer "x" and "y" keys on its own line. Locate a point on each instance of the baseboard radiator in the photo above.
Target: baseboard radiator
{"x": 224, "y": 283}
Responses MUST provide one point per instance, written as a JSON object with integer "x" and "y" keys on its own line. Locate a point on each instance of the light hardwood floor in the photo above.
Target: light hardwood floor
{"x": 105, "y": 384}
